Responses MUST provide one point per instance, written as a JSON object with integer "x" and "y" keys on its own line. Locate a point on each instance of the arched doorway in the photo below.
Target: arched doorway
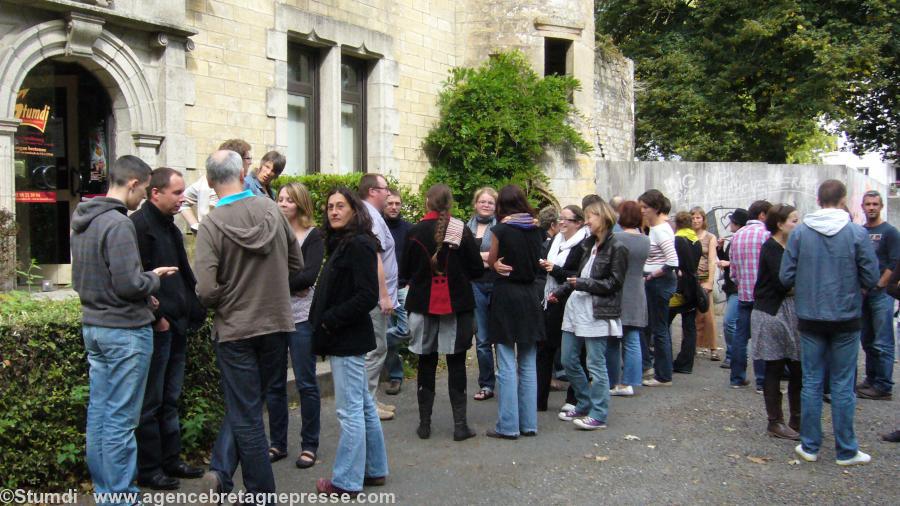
{"x": 63, "y": 147}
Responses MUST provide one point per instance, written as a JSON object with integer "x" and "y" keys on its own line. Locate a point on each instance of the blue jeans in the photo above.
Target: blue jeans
{"x": 659, "y": 291}
{"x": 878, "y": 339}
{"x": 118, "y": 362}
{"x": 593, "y": 396}
{"x": 646, "y": 351}
{"x": 739, "y": 349}
{"x": 483, "y": 349}
{"x": 397, "y": 332}
{"x": 360, "y": 450}
{"x": 613, "y": 359}
{"x": 729, "y": 322}
{"x": 517, "y": 380}
{"x": 837, "y": 352}
{"x": 631, "y": 343}
{"x": 159, "y": 432}
{"x": 303, "y": 362}
{"x": 248, "y": 367}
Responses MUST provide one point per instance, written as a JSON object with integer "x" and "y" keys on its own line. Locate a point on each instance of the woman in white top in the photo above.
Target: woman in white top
{"x": 592, "y": 314}
{"x": 660, "y": 283}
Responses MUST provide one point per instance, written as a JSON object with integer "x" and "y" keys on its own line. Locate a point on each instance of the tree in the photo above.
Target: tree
{"x": 495, "y": 122}
{"x": 745, "y": 80}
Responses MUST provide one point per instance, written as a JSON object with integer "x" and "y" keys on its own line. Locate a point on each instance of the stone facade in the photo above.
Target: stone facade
{"x": 188, "y": 74}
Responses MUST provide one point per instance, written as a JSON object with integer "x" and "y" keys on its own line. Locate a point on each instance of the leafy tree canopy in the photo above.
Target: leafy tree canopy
{"x": 751, "y": 80}
{"x": 495, "y": 122}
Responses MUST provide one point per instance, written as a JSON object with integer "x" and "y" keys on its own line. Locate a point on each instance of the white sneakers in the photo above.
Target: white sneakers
{"x": 625, "y": 391}
{"x": 566, "y": 407}
{"x": 858, "y": 459}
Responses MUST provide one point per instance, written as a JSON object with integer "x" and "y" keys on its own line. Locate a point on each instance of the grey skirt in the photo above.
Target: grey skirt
{"x": 775, "y": 337}
{"x": 447, "y": 334}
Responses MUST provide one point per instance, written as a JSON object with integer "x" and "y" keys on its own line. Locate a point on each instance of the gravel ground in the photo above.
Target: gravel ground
{"x": 698, "y": 442}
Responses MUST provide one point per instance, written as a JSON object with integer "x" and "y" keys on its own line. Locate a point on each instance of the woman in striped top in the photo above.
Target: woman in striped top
{"x": 659, "y": 273}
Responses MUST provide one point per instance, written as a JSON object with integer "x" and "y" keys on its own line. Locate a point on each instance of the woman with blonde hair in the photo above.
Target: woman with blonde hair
{"x": 485, "y": 205}
{"x": 296, "y": 205}
{"x": 706, "y": 275}
{"x": 592, "y": 315}
{"x": 440, "y": 260}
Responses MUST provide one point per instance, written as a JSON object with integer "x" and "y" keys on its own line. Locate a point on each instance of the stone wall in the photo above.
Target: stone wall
{"x": 721, "y": 187}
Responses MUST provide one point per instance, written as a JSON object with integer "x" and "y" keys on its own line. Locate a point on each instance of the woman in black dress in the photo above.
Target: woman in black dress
{"x": 440, "y": 260}
{"x": 516, "y": 319}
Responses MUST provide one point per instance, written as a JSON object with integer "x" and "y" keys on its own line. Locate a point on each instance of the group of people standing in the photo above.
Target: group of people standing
{"x": 598, "y": 285}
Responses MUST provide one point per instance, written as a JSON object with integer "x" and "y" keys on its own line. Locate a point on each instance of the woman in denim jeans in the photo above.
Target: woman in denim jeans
{"x": 346, "y": 292}
{"x": 592, "y": 316}
{"x": 296, "y": 205}
{"x": 516, "y": 319}
{"x": 480, "y": 225}
{"x": 660, "y": 282}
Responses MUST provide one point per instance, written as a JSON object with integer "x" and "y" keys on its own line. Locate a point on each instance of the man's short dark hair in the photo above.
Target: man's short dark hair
{"x": 367, "y": 182}
{"x": 239, "y": 146}
{"x": 873, "y": 194}
{"x": 278, "y": 161}
{"x": 547, "y": 217}
{"x": 759, "y": 207}
{"x": 160, "y": 178}
{"x": 126, "y": 168}
{"x": 832, "y": 192}
{"x": 395, "y": 193}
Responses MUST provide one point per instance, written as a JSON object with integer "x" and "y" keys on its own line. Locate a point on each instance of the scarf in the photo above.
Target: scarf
{"x": 559, "y": 252}
{"x": 522, "y": 221}
{"x": 486, "y": 238}
{"x": 687, "y": 233}
{"x": 454, "y": 232}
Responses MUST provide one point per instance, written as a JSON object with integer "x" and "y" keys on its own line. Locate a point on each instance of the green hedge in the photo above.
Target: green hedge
{"x": 320, "y": 184}
{"x": 44, "y": 394}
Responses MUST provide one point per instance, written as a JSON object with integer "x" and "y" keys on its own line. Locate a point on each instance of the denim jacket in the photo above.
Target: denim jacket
{"x": 829, "y": 261}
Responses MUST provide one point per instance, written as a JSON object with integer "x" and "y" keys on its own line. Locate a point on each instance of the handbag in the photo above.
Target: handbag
{"x": 702, "y": 297}
{"x": 439, "y": 301}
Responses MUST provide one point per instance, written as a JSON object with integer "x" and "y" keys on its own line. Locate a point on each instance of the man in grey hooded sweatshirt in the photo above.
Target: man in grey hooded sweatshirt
{"x": 116, "y": 310}
{"x": 244, "y": 253}
{"x": 830, "y": 262}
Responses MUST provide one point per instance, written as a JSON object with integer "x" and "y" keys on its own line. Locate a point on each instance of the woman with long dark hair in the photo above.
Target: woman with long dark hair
{"x": 440, "y": 260}
{"x": 660, "y": 282}
{"x": 516, "y": 318}
{"x": 342, "y": 329}
{"x": 296, "y": 205}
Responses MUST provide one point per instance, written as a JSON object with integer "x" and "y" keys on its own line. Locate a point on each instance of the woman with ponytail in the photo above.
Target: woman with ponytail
{"x": 440, "y": 260}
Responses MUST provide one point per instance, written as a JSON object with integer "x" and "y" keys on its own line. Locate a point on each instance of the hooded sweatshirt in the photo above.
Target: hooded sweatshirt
{"x": 245, "y": 251}
{"x": 106, "y": 266}
{"x": 829, "y": 261}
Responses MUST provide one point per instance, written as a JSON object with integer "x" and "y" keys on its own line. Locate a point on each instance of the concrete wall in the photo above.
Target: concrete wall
{"x": 721, "y": 187}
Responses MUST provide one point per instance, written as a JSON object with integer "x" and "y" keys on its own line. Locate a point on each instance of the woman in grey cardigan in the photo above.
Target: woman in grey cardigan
{"x": 634, "y": 304}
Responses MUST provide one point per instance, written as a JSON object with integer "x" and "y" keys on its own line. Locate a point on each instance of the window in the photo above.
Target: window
{"x": 303, "y": 98}
{"x": 353, "y": 114}
{"x": 557, "y": 57}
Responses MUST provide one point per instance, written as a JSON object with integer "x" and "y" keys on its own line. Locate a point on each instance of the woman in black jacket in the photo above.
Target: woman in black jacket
{"x": 346, "y": 292}
{"x": 440, "y": 260}
{"x": 592, "y": 314}
{"x": 684, "y": 301}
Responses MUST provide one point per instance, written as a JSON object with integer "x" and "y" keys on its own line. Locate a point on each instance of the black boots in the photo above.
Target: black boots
{"x": 461, "y": 430}
{"x": 426, "y": 401}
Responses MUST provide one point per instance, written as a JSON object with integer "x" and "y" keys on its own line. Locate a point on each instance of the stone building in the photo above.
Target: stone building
{"x": 337, "y": 85}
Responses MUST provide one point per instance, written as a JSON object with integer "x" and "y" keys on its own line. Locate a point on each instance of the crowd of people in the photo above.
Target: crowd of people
{"x": 586, "y": 292}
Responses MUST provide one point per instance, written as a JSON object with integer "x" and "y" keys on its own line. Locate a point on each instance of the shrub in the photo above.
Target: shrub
{"x": 320, "y": 184}
{"x": 495, "y": 123}
{"x": 45, "y": 392}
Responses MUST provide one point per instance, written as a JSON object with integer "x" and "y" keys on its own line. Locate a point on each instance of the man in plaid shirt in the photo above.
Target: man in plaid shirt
{"x": 745, "y": 246}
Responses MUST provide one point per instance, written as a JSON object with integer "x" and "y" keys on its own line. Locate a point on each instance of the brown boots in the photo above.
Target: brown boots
{"x": 776, "y": 427}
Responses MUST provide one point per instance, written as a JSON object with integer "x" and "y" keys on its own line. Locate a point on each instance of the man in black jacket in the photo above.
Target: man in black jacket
{"x": 179, "y": 312}
{"x": 399, "y": 329}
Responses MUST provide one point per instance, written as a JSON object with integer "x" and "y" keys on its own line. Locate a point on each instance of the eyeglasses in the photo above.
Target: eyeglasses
{"x": 570, "y": 220}
{"x": 380, "y": 188}
{"x": 485, "y": 203}
{"x": 248, "y": 158}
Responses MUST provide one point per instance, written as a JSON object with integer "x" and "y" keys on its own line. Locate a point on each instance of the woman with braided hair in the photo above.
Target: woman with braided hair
{"x": 440, "y": 260}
